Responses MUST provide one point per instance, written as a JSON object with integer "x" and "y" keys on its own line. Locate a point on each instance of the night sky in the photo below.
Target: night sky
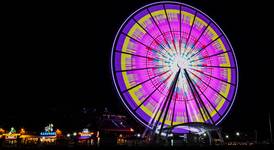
{"x": 56, "y": 60}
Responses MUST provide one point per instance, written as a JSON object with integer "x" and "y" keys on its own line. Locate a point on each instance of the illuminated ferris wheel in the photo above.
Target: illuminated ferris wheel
{"x": 173, "y": 65}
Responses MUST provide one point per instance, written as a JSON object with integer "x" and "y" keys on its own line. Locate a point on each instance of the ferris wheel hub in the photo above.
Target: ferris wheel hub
{"x": 179, "y": 62}
{"x": 182, "y": 62}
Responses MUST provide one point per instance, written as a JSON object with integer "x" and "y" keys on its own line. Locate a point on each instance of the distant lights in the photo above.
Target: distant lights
{"x": 226, "y": 136}
{"x": 238, "y": 133}
{"x": 68, "y": 135}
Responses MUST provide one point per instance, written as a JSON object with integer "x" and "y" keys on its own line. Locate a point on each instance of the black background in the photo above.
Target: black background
{"x": 56, "y": 60}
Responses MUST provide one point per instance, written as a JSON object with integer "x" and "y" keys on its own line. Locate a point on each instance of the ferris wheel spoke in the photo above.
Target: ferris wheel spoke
{"x": 140, "y": 69}
{"x": 145, "y": 45}
{"x": 144, "y": 81}
{"x": 211, "y": 87}
{"x": 173, "y": 112}
{"x": 198, "y": 87}
{"x": 159, "y": 28}
{"x": 139, "y": 55}
{"x": 174, "y": 103}
{"x": 193, "y": 94}
{"x": 173, "y": 41}
{"x": 213, "y": 66}
{"x": 155, "y": 115}
{"x": 212, "y": 76}
{"x": 198, "y": 99}
{"x": 152, "y": 93}
{"x": 185, "y": 101}
{"x": 187, "y": 115}
{"x": 191, "y": 49}
{"x": 160, "y": 104}
{"x": 154, "y": 39}
{"x": 209, "y": 56}
{"x": 189, "y": 34}
{"x": 180, "y": 30}
{"x": 163, "y": 107}
{"x": 205, "y": 46}
{"x": 168, "y": 101}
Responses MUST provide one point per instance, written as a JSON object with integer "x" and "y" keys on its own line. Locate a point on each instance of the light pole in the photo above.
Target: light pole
{"x": 270, "y": 128}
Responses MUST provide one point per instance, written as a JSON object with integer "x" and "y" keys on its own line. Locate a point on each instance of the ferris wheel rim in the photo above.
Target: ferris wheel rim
{"x": 181, "y": 4}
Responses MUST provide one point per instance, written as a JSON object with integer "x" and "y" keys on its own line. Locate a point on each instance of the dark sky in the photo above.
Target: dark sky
{"x": 56, "y": 59}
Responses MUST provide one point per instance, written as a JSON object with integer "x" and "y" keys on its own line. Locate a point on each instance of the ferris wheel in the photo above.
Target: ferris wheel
{"x": 172, "y": 65}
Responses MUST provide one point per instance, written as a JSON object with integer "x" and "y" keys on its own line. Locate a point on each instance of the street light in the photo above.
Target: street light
{"x": 238, "y": 133}
{"x": 68, "y": 135}
{"x": 226, "y": 136}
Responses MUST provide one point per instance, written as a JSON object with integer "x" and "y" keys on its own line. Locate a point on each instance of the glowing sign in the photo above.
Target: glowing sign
{"x": 48, "y": 133}
{"x": 85, "y": 134}
{"x": 11, "y": 136}
{"x": 12, "y": 130}
{"x": 49, "y": 128}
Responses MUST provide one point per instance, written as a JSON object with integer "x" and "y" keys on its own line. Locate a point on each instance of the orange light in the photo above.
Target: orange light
{"x": 2, "y": 130}
{"x": 58, "y": 132}
{"x": 22, "y": 131}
